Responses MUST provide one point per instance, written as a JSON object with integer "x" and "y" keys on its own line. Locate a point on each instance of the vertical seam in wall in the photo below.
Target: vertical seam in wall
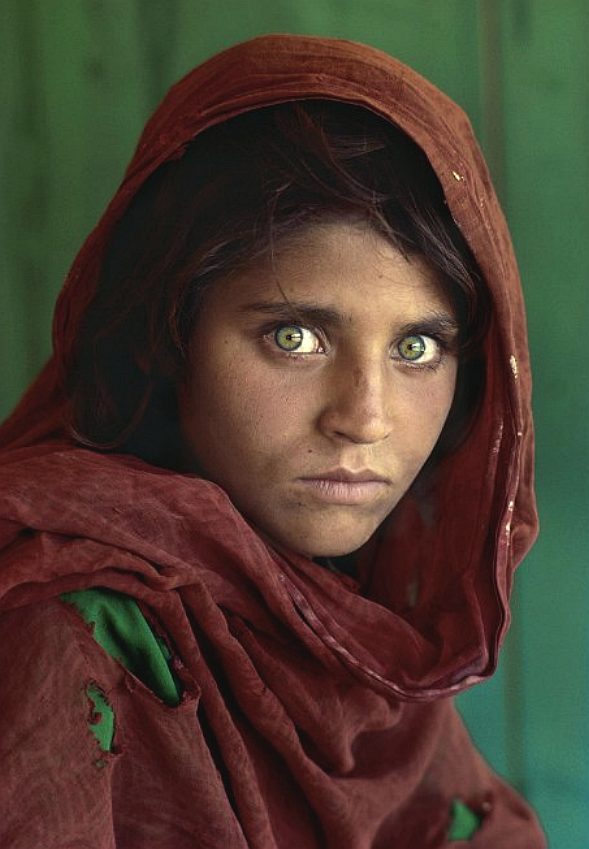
{"x": 32, "y": 205}
{"x": 491, "y": 90}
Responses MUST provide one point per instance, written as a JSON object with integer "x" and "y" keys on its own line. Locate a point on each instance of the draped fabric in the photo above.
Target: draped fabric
{"x": 316, "y": 709}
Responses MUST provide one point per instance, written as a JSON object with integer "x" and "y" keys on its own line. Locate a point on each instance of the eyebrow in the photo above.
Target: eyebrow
{"x": 432, "y": 322}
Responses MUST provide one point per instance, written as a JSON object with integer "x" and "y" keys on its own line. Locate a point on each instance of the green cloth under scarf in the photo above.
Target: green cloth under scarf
{"x": 119, "y": 626}
{"x": 464, "y": 822}
{"x": 121, "y": 629}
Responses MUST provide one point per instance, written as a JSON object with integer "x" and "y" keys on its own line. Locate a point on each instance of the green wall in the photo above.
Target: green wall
{"x": 82, "y": 76}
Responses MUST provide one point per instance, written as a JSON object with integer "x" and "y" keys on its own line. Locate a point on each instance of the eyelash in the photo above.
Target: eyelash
{"x": 268, "y": 335}
{"x": 441, "y": 345}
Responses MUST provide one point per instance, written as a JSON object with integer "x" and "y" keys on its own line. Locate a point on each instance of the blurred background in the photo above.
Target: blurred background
{"x": 79, "y": 79}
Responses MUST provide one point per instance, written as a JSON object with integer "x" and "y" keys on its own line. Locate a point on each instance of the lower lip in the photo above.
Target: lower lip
{"x": 344, "y": 492}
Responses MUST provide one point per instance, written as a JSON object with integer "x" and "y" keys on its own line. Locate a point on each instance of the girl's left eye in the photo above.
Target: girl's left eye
{"x": 421, "y": 350}
{"x": 295, "y": 339}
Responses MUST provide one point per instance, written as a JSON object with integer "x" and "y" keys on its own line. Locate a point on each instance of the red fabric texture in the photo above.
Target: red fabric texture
{"x": 317, "y": 709}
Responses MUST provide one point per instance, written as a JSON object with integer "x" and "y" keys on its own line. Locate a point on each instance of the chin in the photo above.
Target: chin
{"x": 318, "y": 533}
{"x": 336, "y": 544}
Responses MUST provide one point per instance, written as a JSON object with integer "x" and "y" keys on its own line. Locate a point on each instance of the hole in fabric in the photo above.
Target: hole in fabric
{"x": 102, "y": 720}
{"x": 121, "y": 629}
{"x": 464, "y": 823}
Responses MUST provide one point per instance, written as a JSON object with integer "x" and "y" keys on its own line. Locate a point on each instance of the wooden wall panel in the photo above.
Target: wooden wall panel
{"x": 546, "y": 125}
{"x": 74, "y": 103}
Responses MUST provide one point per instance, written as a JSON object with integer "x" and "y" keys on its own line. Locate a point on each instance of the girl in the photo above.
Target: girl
{"x": 261, "y": 510}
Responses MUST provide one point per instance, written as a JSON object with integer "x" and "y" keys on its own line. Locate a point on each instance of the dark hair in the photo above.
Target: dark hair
{"x": 240, "y": 188}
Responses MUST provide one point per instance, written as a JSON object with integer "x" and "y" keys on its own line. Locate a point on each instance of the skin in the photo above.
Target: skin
{"x": 268, "y": 425}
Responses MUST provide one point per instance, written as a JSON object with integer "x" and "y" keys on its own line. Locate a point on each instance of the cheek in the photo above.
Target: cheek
{"x": 442, "y": 397}
{"x": 426, "y": 412}
{"x": 237, "y": 411}
{"x": 441, "y": 402}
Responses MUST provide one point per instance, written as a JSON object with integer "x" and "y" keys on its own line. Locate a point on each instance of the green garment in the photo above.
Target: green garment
{"x": 464, "y": 822}
{"x": 122, "y": 630}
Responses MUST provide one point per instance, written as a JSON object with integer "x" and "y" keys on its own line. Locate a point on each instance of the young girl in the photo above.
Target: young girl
{"x": 261, "y": 510}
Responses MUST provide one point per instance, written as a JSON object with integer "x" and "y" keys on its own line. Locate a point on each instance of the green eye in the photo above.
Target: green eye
{"x": 297, "y": 340}
{"x": 412, "y": 348}
{"x": 289, "y": 337}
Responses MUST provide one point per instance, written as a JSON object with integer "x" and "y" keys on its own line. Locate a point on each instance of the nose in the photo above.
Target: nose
{"x": 357, "y": 404}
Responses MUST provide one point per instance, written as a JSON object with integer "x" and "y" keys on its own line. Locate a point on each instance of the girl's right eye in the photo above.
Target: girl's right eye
{"x": 294, "y": 339}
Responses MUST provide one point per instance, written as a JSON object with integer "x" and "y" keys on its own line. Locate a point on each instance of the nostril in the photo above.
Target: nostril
{"x": 356, "y": 426}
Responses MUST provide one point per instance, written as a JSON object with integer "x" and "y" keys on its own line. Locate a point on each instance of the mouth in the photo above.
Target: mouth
{"x": 343, "y": 486}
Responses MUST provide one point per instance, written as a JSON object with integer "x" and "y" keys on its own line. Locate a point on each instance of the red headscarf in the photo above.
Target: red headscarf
{"x": 324, "y": 708}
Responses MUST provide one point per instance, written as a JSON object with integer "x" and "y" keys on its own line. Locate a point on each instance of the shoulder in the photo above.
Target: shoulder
{"x": 44, "y": 644}
{"x": 55, "y": 774}
{"x": 51, "y": 666}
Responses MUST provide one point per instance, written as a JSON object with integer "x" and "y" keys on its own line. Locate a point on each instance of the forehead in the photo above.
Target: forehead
{"x": 344, "y": 265}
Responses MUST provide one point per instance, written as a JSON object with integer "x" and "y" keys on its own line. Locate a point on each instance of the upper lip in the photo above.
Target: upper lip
{"x": 348, "y": 476}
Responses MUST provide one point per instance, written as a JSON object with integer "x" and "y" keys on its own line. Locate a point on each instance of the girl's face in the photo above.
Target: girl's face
{"x": 319, "y": 384}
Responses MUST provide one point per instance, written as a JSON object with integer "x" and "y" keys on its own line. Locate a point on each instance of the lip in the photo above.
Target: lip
{"x": 348, "y": 476}
{"x": 342, "y": 486}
